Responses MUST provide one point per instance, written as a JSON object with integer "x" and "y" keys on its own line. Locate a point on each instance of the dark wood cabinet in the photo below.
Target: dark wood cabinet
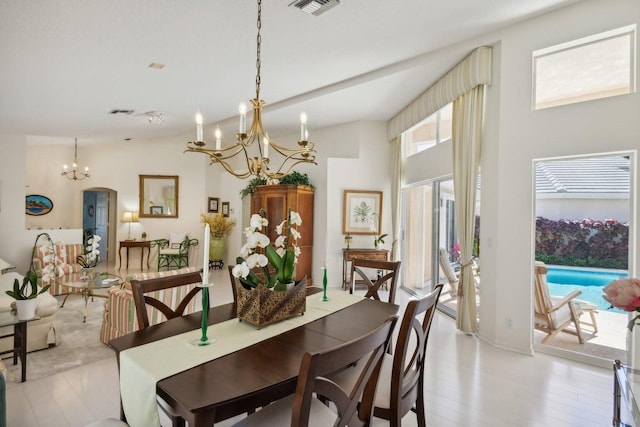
{"x": 274, "y": 202}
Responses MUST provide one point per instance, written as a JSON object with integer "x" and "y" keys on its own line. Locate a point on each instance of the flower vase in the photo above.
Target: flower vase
{"x": 216, "y": 249}
{"x": 261, "y": 306}
{"x": 26, "y": 308}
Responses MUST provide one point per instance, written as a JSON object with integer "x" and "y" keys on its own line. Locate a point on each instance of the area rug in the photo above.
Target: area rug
{"x": 79, "y": 342}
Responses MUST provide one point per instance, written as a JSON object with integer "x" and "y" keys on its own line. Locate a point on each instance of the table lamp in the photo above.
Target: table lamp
{"x": 129, "y": 217}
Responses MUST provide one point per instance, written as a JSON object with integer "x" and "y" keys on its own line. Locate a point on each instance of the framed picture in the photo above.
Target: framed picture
{"x": 38, "y": 205}
{"x": 225, "y": 208}
{"x": 362, "y": 212}
{"x": 156, "y": 210}
{"x": 213, "y": 204}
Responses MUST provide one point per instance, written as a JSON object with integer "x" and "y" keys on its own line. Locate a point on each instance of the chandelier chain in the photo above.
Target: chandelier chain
{"x": 258, "y": 44}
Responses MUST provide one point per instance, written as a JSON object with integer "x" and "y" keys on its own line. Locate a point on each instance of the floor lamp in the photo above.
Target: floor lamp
{"x": 129, "y": 217}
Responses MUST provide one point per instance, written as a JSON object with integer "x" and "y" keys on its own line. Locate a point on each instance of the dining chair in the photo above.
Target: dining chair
{"x": 302, "y": 409}
{"x": 384, "y": 273}
{"x": 142, "y": 288}
{"x": 145, "y": 293}
{"x": 402, "y": 375}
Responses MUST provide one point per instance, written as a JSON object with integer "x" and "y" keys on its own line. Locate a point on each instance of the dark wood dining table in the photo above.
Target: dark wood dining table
{"x": 257, "y": 374}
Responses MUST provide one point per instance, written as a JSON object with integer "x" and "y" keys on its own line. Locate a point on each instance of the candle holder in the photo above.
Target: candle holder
{"x": 204, "y": 320}
{"x": 324, "y": 285}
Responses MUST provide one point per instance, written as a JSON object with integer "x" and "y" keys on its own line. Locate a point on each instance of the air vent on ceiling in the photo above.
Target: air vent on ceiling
{"x": 315, "y": 7}
{"x": 116, "y": 111}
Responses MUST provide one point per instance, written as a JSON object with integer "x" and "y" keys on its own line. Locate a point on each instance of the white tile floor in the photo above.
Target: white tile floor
{"x": 468, "y": 383}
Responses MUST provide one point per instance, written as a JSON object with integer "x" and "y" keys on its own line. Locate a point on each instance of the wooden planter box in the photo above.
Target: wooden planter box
{"x": 261, "y": 306}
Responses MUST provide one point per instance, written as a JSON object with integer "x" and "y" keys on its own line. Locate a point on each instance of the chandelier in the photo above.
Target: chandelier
{"x": 256, "y": 140}
{"x": 74, "y": 173}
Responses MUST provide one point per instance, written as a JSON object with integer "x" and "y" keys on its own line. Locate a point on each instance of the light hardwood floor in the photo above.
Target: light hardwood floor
{"x": 468, "y": 383}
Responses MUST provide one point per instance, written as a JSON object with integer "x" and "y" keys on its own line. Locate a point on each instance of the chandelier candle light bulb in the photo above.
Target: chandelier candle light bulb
{"x": 199, "y": 127}
{"x": 243, "y": 118}
{"x": 266, "y": 148}
{"x": 218, "y": 135}
{"x": 303, "y": 126}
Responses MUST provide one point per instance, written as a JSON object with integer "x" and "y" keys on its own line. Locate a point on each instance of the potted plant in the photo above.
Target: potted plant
{"x": 267, "y": 291}
{"x": 220, "y": 227}
{"x": 293, "y": 178}
{"x": 26, "y": 299}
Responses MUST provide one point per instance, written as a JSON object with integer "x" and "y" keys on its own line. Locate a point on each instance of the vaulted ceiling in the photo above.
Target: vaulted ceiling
{"x": 66, "y": 64}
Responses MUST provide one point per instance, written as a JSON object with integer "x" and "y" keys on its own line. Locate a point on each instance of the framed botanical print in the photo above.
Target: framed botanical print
{"x": 362, "y": 212}
{"x": 225, "y": 208}
{"x": 213, "y": 204}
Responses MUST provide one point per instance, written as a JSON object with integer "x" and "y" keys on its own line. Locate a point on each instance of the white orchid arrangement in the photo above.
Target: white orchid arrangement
{"x": 282, "y": 255}
{"x": 50, "y": 263}
{"x": 91, "y": 257}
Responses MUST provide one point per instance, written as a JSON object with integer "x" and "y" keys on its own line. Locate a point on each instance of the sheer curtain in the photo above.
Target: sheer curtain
{"x": 464, "y": 84}
{"x": 467, "y": 138}
{"x": 396, "y": 190}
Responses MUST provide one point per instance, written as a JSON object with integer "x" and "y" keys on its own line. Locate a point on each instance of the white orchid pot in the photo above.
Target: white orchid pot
{"x": 26, "y": 308}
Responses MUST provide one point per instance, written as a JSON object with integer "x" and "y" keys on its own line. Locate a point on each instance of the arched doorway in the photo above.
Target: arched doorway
{"x": 99, "y": 217}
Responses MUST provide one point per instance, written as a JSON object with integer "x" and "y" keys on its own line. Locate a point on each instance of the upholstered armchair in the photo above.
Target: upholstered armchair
{"x": 174, "y": 252}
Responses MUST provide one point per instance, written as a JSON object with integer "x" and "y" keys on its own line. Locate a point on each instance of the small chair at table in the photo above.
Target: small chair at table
{"x": 402, "y": 375}
{"x": 303, "y": 409}
{"x": 386, "y": 273}
{"x": 174, "y": 252}
{"x": 145, "y": 293}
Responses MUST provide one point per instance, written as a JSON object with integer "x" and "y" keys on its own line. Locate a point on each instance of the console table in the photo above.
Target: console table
{"x": 135, "y": 244}
{"x": 360, "y": 253}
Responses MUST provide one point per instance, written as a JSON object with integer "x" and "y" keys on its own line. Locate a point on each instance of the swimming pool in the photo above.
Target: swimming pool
{"x": 590, "y": 281}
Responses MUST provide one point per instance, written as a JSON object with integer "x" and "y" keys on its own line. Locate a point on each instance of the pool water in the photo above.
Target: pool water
{"x": 590, "y": 282}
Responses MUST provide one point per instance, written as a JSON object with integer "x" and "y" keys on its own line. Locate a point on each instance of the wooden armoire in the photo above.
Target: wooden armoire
{"x": 275, "y": 201}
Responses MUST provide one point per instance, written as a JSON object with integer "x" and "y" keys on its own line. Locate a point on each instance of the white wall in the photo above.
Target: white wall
{"x": 558, "y": 208}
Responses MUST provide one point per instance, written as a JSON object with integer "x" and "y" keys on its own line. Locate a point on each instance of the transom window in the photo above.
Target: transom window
{"x": 433, "y": 130}
{"x": 593, "y": 67}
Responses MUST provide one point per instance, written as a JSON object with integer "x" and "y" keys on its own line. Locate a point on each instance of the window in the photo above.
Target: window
{"x": 433, "y": 130}
{"x": 590, "y": 68}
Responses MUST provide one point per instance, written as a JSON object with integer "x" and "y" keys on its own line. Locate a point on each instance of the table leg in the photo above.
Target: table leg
{"x": 120, "y": 258}
{"x": 127, "y": 257}
{"x": 148, "y": 255}
{"x": 86, "y": 294}
{"x": 20, "y": 347}
{"x": 141, "y": 256}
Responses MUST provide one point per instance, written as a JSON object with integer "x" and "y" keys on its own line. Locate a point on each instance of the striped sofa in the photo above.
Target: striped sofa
{"x": 119, "y": 316}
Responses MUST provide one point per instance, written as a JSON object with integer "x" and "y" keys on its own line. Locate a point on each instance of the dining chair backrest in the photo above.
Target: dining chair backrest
{"x": 368, "y": 352}
{"x": 407, "y": 370}
{"x": 141, "y": 289}
{"x": 385, "y": 274}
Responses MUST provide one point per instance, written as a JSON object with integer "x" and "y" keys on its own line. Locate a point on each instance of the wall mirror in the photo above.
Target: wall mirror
{"x": 158, "y": 196}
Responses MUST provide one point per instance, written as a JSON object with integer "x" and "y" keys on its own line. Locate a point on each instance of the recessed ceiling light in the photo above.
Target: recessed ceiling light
{"x": 156, "y": 66}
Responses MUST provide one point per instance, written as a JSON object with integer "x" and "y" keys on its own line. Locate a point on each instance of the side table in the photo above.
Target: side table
{"x": 350, "y": 254}
{"x": 142, "y": 244}
{"x": 19, "y": 335}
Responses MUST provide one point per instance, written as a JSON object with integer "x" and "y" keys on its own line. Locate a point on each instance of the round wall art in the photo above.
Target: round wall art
{"x": 38, "y": 205}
